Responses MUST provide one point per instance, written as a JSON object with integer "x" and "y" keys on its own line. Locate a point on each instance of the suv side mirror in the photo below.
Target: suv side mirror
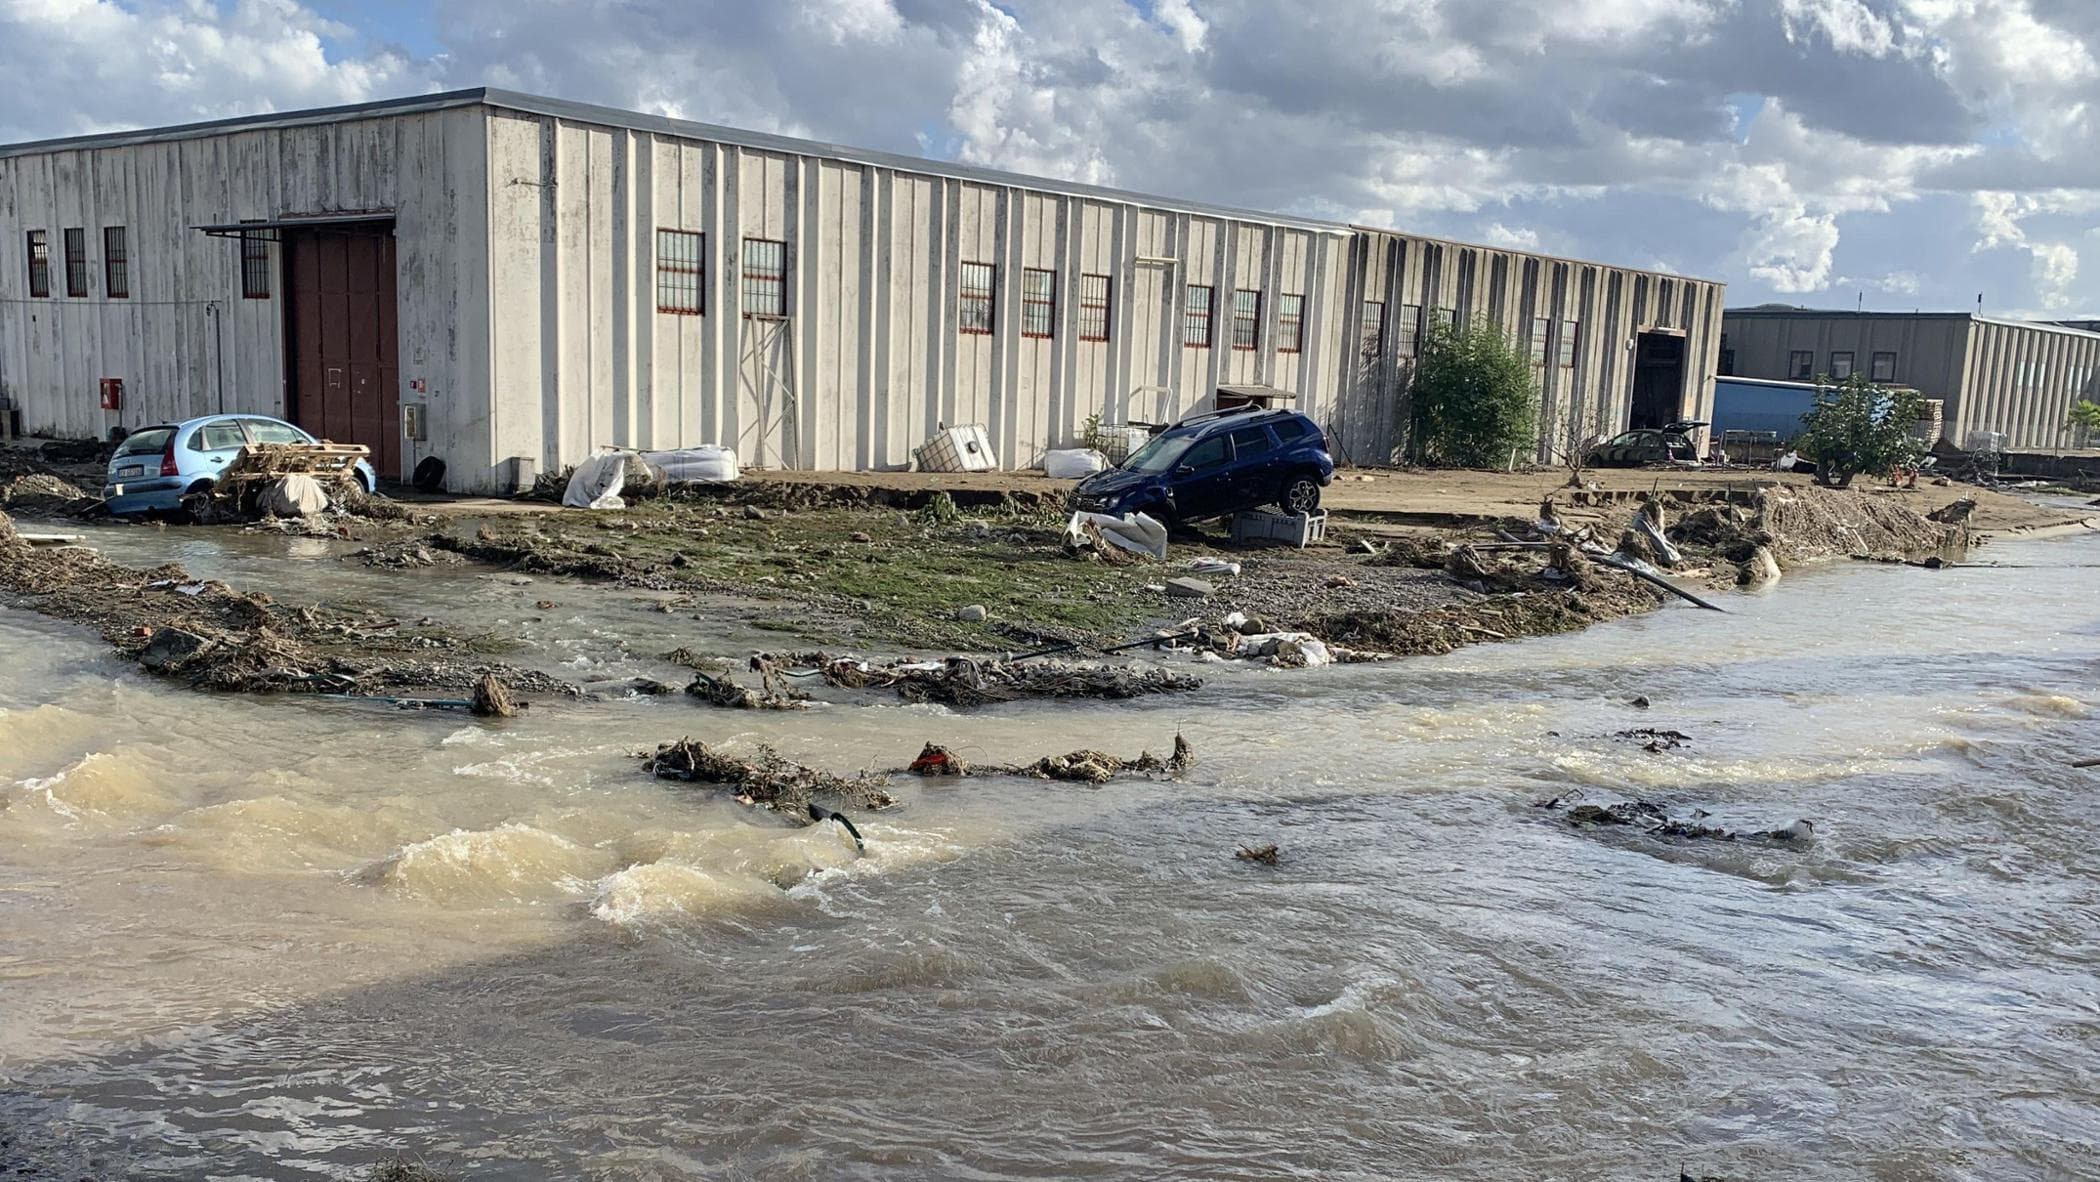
{"x": 1184, "y": 470}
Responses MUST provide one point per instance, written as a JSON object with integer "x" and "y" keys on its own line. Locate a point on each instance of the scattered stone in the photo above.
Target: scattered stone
{"x": 1639, "y": 702}
{"x": 1266, "y": 855}
{"x": 861, "y": 536}
{"x": 1760, "y": 569}
{"x": 545, "y": 605}
{"x": 1189, "y": 588}
{"x": 973, "y": 614}
{"x": 754, "y": 513}
{"x": 1337, "y": 582}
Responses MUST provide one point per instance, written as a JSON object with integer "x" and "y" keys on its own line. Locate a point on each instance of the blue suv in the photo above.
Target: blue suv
{"x": 1215, "y": 464}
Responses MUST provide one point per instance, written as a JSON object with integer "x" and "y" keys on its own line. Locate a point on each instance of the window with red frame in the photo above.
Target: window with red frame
{"x": 1290, "y": 323}
{"x": 1093, "y": 307}
{"x": 980, "y": 299}
{"x": 1038, "y": 303}
{"x": 678, "y": 272}
{"x": 765, "y": 277}
{"x": 1195, "y": 317}
{"x": 1246, "y": 320}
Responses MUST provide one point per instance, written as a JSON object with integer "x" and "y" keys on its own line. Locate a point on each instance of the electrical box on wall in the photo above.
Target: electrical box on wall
{"x": 112, "y": 393}
{"x": 413, "y": 421}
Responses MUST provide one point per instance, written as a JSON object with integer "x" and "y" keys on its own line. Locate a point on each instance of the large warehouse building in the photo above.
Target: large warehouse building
{"x": 511, "y": 283}
{"x": 2012, "y": 378}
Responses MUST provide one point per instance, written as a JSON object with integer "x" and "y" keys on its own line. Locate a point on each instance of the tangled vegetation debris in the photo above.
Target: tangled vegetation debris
{"x": 1653, "y": 820}
{"x": 935, "y": 760}
{"x": 43, "y": 494}
{"x": 1099, "y": 767}
{"x": 769, "y": 780}
{"x": 1267, "y": 855}
{"x": 720, "y": 689}
{"x": 967, "y": 681}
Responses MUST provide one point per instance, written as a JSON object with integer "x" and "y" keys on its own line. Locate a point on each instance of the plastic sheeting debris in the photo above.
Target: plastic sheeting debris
{"x": 1073, "y": 463}
{"x": 1139, "y": 533}
{"x": 706, "y": 464}
{"x": 597, "y": 483}
{"x": 294, "y": 495}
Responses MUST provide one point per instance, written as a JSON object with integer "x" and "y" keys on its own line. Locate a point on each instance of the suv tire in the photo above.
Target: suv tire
{"x": 1301, "y": 494}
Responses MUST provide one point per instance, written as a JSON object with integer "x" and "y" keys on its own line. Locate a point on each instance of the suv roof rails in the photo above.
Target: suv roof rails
{"x": 1228, "y": 412}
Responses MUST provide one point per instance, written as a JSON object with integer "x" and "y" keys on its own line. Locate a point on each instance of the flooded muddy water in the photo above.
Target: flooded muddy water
{"x": 270, "y": 939}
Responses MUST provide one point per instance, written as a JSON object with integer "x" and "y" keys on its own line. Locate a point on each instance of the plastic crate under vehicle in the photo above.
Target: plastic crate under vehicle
{"x": 1264, "y": 525}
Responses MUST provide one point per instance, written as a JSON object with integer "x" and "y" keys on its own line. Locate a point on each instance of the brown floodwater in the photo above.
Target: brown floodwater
{"x": 283, "y": 939}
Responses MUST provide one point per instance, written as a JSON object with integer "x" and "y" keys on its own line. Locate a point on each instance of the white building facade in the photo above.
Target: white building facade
{"x": 511, "y": 283}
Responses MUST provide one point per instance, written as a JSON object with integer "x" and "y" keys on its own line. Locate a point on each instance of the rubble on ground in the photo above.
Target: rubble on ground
{"x": 767, "y": 779}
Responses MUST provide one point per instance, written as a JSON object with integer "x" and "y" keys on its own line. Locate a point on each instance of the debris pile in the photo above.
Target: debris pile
{"x": 778, "y": 784}
{"x": 936, "y": 760}
{"x": 1652, "y": 819}
{"x": 1653, "y": 740}
{"x": 970, "y": 681}
{"x": 720, "y": 689}
{"x": 1267, "y": 855}
{"x": 43, "y": 494}
{"x": 209, "y": 635}
{"x": 1099, "y": 767}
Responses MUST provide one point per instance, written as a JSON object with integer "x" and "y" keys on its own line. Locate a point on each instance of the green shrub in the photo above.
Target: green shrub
{"x": 1857, "y": 426}
{"x": 1473, "y": 398}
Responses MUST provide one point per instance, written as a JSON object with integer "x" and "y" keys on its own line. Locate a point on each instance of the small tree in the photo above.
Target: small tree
{"x": 1857, "y": 426}
{"x": 1473, "y": 397}
{"x": 2085, "y": 420}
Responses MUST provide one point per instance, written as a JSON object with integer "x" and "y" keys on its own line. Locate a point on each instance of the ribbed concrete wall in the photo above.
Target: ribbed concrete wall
{"x": 530, "y": 318}
{"x": 186, "y": 342}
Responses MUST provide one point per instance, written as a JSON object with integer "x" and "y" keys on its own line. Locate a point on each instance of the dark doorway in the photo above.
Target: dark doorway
{"x": 1658, "y": 381}
{"x": 340, "y": 330}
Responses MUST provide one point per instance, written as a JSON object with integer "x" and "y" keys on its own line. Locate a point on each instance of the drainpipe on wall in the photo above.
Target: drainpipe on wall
{"x": 218, "y": 351}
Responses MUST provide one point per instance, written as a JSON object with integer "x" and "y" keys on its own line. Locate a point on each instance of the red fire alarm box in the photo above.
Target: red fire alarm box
{"x": 112, "y": 393}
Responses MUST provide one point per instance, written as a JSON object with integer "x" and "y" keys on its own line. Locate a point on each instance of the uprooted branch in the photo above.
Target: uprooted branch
{"x": 767, "y": 779}
{"x": 1085, "y": 766}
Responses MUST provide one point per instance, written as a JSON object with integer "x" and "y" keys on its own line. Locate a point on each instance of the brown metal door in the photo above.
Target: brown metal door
{"x": 345, "y": 368}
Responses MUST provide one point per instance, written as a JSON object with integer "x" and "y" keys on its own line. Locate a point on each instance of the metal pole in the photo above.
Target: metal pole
{"x": 218, "y": 351}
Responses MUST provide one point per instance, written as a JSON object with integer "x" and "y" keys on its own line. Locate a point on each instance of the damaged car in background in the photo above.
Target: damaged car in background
{"x": 1669, "y": 444}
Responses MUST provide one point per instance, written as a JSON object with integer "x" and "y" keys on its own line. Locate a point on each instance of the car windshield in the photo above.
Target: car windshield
{"x": 145, "y": 442}
{"x": 1159, "y": 455}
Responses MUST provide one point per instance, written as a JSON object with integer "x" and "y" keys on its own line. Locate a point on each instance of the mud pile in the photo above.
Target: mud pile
{"x": 208, "y": 635}
{"x": 43, "y": 494}
{"x": 1806, "y": 523}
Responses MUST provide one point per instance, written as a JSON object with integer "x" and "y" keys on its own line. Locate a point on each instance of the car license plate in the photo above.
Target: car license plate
{"x": 134, "y": 470}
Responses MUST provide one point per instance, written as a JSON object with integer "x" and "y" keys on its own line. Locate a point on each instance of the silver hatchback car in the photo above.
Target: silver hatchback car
{"x": 155, "y": 467}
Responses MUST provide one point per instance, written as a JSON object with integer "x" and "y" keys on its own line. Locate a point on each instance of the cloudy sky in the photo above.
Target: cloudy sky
{"x": 1916, "y": 152}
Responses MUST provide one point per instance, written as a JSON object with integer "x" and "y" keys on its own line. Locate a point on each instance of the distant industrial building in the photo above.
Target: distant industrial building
{"x": 511, "y": 283}
{"x": 2014, "y": 378}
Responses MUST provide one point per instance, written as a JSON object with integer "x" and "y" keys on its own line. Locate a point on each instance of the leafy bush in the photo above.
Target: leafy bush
{"x": 1473, "y": 397}
{"x": 2085, "y": 420}
{"x": 1857, "y": 426}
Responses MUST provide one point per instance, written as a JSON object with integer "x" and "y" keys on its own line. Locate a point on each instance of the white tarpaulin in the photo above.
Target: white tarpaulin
{"x": 294, "y": 495}
{"x": 597, "y": 483}
{"x": 1139, "y": 533}
{"x": 706, "y": 464}
{"x": 1073, "y": 464}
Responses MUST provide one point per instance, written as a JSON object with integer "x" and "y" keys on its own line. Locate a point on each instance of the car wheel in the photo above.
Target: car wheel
{"x": 1301, "y": 494}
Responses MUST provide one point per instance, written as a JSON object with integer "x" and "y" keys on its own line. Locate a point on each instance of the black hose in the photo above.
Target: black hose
{"x": 821, "y": 814}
